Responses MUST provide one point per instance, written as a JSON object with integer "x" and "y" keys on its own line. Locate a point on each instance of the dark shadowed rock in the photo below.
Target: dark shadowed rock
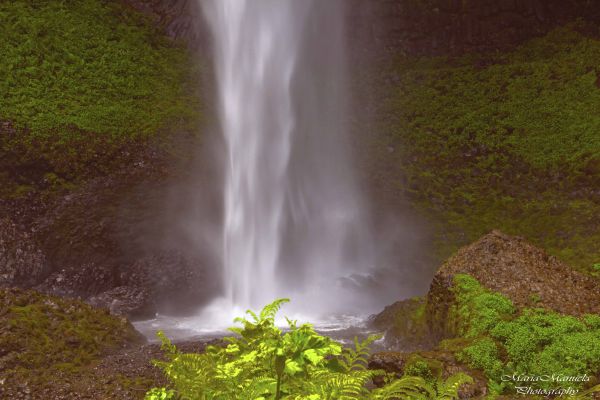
{"x": 404, "y": 325}
{"x": 527, "y": 275}
{"x": 173, "y": 280}
{"x": 133, "y": 302}
{"x": 21, "y": 261}
{"x": 87, "y": 278}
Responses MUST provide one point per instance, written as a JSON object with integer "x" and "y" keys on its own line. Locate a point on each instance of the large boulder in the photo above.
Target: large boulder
{"x": 526, "y": 274}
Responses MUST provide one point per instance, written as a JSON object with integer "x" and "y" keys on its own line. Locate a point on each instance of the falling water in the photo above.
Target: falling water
{"x": 294, "y": 224}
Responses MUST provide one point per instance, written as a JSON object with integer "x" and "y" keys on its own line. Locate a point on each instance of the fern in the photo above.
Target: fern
{"x": 263, "y": 363}
{"x": 448, "y": 390}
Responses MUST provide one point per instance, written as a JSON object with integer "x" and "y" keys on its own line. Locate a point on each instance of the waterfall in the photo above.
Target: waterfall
{"x": 294, "y": 224}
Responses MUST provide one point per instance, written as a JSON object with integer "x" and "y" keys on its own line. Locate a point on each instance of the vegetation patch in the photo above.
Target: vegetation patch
{"x": 263, "y": 362}
{"x": 476, "y": 310}
{"x": 43, "y": 335}
{"x": 79, "y": 80}
{"x": 539, "y": 342}
{"x": 504, "y": 141}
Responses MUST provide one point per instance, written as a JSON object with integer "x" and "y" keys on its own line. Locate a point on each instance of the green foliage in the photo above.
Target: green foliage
{"x": 419, "y": 368}
{"x": 88, "y": 66}
{"x": 477, "y": 309}
{"x": 534, "y": 342}
{"x": 45, "y": 339}
{"x": 539, "y": 341}
{"x": 41, "y": 331}
{"x": 85, "y": 85}
{"x": 503, "y": 141}
{"x": 263, "y": 362}
{"x": 596, "y": 269}
{"x": 484, "y": 355}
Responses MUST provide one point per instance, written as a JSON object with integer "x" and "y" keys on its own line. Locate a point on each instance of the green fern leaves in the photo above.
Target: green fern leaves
{"x": 264, "y": 363}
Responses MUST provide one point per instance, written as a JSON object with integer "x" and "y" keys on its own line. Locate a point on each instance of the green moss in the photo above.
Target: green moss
{"x": 540, "y": 341}
{"x": 48, "y": 332}
{"x": 83, "y": 83}
{"x": 484, "y": 355}
{"x": 428, "y": 369}
{"x": 92, "y": 65}
{"x": 535, "y": 342}
{"x": 504, "y": 141}
{"x": 477, "y": 309}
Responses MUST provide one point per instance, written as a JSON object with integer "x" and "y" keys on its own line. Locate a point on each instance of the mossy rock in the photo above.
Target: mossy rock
{"x": 40, "y": 332}
{"x": 514, "y": 269}
{"x": 404, "y": 325}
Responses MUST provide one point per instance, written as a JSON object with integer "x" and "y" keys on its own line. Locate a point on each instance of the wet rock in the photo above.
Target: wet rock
{"x": 404, "y": 325}
{"x": 442, "y": 27}
{"x": 132, "y": 302}
{"x": 179, "y": 19}
{"x": 524, "y": 273}
{"x": 172, "y": 279}
{"x": 21, "y": 261}
{"x": 88, "y": 278}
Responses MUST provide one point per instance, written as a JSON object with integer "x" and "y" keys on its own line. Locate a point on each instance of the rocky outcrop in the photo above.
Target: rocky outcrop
{"x": 509, "y": 265}
{"x": 503, "y": 264}
{"x": 131, "y": 301}
{"x": 113, "y": 240}
{"x": 179, "y": 19}
{"x": 442, "y": 27}
{"x": 21, "y": 261}
{"x": 45, "y": 339}
{"x": 404, "y": 325}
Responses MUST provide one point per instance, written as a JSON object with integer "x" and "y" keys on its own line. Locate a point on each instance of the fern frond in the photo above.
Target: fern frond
{"x": 587, "y": 394}
{"x": 406, "y": 388}
{"x": 270, "y": 310}
{"x": 449, "y": 390}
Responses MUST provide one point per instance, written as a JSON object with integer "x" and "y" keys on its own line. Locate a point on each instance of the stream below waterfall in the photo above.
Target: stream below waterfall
{"x": 342, "y": 328}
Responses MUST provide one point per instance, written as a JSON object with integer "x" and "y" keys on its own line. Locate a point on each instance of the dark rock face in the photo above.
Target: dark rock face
{"x": 134, "y": 302}
{"x": 174, "y": 281}
{"x": 414, "y": 27}
{"x": 441, "y": 27}
{"x": 522, "y": 272}
{"x": 179, "y": 19}
{"x": 21, "y": 261}
{"x": 106, "y": 242}
{"x": 404, "y": 324}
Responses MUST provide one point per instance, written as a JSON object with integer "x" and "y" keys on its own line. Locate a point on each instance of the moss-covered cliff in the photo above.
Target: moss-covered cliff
{"x": 505, "y": 140}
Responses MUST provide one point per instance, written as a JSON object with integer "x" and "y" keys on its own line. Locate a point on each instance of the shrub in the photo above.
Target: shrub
{"x": 69, "y": 67}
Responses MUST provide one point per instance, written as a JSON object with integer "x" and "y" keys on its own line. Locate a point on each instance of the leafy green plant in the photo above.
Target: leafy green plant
{"x": 534, "y": 341}
{"x": 264, "y": 362}
{"x": 477, "y": 309}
